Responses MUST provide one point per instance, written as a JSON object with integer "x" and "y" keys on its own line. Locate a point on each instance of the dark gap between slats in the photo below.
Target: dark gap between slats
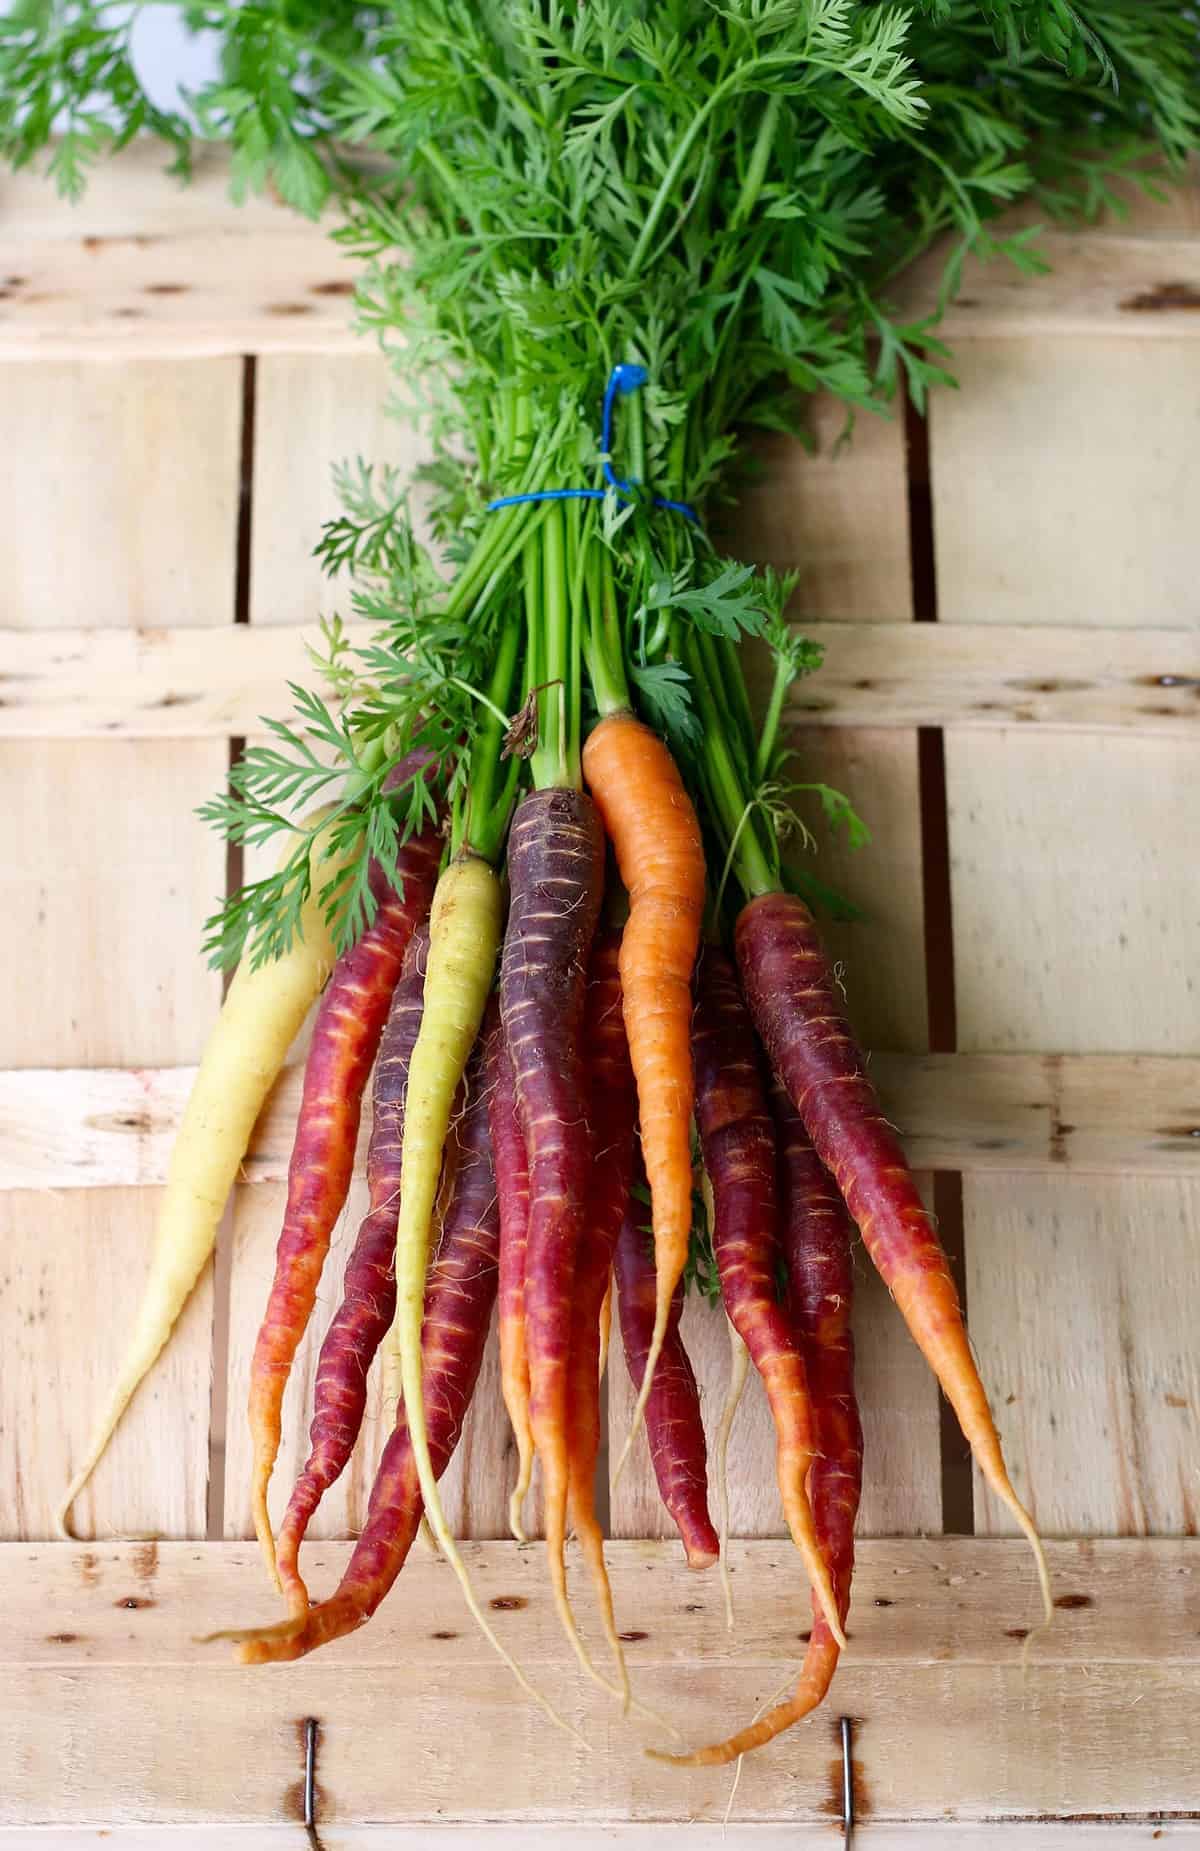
{"x": 958, "y": 1498}
{"x": 234, "y": 872}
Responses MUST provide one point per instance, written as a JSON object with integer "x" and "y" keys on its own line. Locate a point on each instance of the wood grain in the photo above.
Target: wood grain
{"x": 312, "y": 415}
{"x": 118, "y": 494}
{"x": 1056, "y": 1114}
{"x": 1153, "y": 1832}
{"x": 1065, "y": 482}
{"x": 161, "y": 683}
{"x": 1132, "y": 286}
{"x": 946, "y": 1727}
{"x": 1075, "y": 914}
{"x": 144, "y": 266}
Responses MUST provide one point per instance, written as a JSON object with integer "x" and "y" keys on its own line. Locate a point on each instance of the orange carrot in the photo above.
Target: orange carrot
{"x": 458, "y": 1303}
{"x": 817, "y": 1234}
{"x": 369, "y": 1283}
{"x": 738, "y": 1140}
{"x": 797, "y": 1007}
{"x": 650, "y": 820}
{"x": 344, "y": 1043}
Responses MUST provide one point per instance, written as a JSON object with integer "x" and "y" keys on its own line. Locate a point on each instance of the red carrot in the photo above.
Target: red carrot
{"x": 817, "y": 1236}
{"x": 512, "y": 1184}
{"x": 738, "y": 1141}
{"x": 794, "y": 997}
{"x": 458, "y": 1306}
{"x": 369, "y": 1287}
{"x": 673, "y": 1425}
{"x": 556, "y": 872}
{"x": 344, "y": 1043}
{"x": 612, "y": 1112}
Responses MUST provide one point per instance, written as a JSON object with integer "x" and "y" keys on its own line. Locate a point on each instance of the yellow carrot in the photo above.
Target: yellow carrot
{"x": 260, "y": 1018}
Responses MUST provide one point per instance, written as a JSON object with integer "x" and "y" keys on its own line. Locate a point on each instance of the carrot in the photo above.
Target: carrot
{"x": 344, "y": 1043}
{"x": 260, "y": 1018}
{"x": 738, "y": 1141}
{"x": 611, "y": 1111}
{"x": 463, "y": 942}
{"x": 458, "y": 1305}
{"x": 556, "y": 871}
{"x": 605, "y": 1327}
{"x": 512, "y": 1184}
{"x": 654, "y": 831}
{"x": 673, "y": 1425}
{"x": 739, "y": 1369}
{"x": 369, "y": 1285}
{"x": 794, "y": 998}
{"x": 817, "y": 1236}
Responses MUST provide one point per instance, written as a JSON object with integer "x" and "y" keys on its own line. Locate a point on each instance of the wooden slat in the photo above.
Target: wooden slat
{"x": 124, "y": 1717}
{"x": 1065, "y": 493}
{"x": 1153, "y": 1832}
{"x": 142, "y": 265}
{"x": 312, "y": 415}
{"x": 119, "y": 502}
{"x": 1131, "y": 284}
{"x": 118, "y": 494}
{"x": 1074, "y": 912}
{"x": 1049, "y": 1114}
{"x": 170, "y": 684}
{"x": 933, "y": 1600}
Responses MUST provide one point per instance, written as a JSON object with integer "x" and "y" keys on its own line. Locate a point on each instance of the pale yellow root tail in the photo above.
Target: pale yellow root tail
{"x": 662, "y": 1317}
{"x": 262, "y": 1521}
{"x": 260, "y": 1018}
{"x": 605, "y": 1326}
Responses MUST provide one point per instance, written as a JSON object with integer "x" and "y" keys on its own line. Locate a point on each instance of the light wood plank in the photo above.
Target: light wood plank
{"x": 1064, "y": 484}
{"x": 1131, "y": 285}
{"x": 1095, "y": 948}
{"x": 934, "y": 1742}
{"x": 72, "y": 1272}
{"x": 107, "y": 876}
{"x": 1128, "y": 1835}
{"x": 144, "y": 266}
{"x": 876, "y": 678}
{"x": 806, "y": 510}
{"x": 1066, "y": 478}
{"x": 312, "y": 415}
{"x": 947, "y": 1726}
{"x": 1087, "y": 1114}
{"x": 134, "y": 516}
{"x": 937, "y": 1600}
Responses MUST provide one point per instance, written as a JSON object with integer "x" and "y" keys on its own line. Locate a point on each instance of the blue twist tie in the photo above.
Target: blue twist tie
{"x": 622, "y": 381}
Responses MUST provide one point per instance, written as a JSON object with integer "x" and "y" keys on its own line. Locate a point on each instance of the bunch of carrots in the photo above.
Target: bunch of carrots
{"x": 535, "y": 875}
